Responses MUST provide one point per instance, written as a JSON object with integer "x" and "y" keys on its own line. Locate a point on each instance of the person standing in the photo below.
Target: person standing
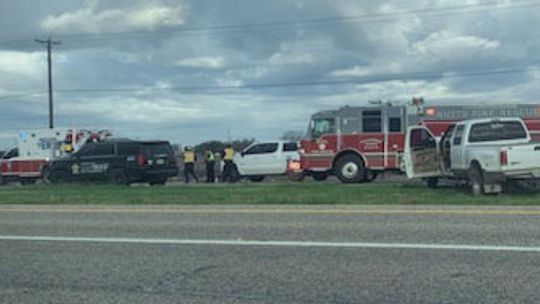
{"x": 210, "y": 160}
{"x": 189, "y": 159}
{"x": 228, "y": 169}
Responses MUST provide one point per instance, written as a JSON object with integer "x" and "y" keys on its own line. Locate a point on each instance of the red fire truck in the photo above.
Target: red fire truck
{"x": 357, "y": 143}
{"x": 35, "y": 148}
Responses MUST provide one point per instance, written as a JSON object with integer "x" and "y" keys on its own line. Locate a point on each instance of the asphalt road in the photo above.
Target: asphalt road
{"x": 269, "y": 254}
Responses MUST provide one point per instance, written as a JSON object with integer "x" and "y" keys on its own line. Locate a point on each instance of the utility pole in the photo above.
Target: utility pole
{"x": 49, "y": 43}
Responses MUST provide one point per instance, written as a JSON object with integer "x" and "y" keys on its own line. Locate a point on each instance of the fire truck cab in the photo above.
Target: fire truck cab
{"x": 354, "y": 143}
{"x": 357, "y": 143}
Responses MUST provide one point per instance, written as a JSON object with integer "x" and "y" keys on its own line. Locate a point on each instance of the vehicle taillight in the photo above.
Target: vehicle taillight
{"x": 293, "y": 165}
{"x": 503, "y": 157}
{"x": 141, "y": 160}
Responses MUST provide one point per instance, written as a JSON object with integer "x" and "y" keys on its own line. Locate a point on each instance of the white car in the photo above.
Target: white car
{"x": 265, "y": 158}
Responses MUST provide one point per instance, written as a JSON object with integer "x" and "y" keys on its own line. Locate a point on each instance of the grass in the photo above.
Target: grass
{"x": 246, "y": 193}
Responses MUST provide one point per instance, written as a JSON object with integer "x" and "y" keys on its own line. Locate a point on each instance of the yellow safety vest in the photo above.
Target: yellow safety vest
{"x": 229, "y": 153}
{"x": 209, "y": 156}
{"x": 189, "y": 157}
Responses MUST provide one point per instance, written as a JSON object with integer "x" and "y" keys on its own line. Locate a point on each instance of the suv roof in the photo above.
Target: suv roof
{"x": 126, "y": 140}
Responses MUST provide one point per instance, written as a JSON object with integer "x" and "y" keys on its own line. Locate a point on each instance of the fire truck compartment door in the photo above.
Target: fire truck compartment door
{"x": 421, "y": 154}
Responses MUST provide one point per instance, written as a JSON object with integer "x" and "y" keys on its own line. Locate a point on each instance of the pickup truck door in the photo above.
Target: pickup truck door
{"x": 456, "y": 150}
{"x": 421, "y": 155}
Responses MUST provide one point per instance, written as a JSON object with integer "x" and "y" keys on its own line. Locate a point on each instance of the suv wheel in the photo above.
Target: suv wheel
{"x": 350, "y": 169}
{"x": 118, "y": 177}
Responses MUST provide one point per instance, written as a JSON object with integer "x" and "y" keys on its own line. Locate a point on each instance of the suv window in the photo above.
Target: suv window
{"x": 86, "y": 150}
{"x": 262, "y": 149}
{"x": 290, "y": 147}
{"x": 128, "y": 149}
{"x": 497, "y": 130}
{"x": 157, "y": 149}
{"x": 104, "y": 149}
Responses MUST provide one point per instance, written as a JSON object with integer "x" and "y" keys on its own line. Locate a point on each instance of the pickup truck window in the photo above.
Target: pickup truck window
{"x": 420, "y": 138}
{"x": 290, "y": 147}
{"x": 458, "y": 135}
{"x": 262, "y": 149}
{"x": 498, "y": 130}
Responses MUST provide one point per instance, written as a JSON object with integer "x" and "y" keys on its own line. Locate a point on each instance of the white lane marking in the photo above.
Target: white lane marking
{"x": 272, "y": 243}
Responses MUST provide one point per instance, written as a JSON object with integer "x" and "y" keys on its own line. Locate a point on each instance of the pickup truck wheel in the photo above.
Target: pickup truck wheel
{"x": 296, "y": 176}
{"x": 477, "y": 180}
{"x": 256, "y": 178}
{"x": 432, "y": 182}
{"x": 350, "y": 169}
{"x": 320, "y": 176}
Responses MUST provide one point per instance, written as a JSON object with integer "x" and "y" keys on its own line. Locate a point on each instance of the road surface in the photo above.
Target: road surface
{"x": 269, "y": 254}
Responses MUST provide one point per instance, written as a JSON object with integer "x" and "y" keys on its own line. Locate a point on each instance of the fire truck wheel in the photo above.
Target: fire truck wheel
{"x": 320, "y": 176}
{"x": 350, "y": 169}
{"x": 370, "y": 176}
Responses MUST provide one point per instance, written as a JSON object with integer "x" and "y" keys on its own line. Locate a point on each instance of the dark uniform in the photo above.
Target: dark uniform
{"x": 189, "y": 165}
{"x": 210, "y": 166}
{"x": 228, "y": 169}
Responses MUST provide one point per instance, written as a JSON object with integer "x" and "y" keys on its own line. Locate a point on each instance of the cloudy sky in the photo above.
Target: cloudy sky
{"x": 194, "y": 70}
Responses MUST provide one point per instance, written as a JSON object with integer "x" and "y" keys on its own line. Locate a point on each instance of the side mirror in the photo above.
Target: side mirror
{"x": 242, "y": 154}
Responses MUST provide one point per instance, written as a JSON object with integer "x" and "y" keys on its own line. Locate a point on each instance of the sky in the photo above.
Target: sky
{"x": 194, "y": 70}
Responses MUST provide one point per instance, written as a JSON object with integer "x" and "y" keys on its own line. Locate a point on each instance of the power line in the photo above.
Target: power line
{"x": 364, "y": 18}
{"x": 382, "y": 78}
{"x": 378, "y": 79}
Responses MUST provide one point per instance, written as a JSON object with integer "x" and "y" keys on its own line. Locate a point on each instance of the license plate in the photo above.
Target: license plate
{"x": 160, "y": 161}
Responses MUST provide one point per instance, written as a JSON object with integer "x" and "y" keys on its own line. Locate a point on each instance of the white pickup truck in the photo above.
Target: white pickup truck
{"x": 485, "y": 152}
{"x": 265, "y": 158}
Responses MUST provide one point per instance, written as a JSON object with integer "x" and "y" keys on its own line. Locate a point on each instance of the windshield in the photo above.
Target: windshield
{"x": 321, "y": 126}
{"x": 499, "y": 130}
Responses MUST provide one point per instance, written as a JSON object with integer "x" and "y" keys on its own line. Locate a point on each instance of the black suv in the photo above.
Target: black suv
{"x": 117, "y": 161}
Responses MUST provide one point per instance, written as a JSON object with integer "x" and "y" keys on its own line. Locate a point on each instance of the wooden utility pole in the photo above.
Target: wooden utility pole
{"x": 49, "y": 43}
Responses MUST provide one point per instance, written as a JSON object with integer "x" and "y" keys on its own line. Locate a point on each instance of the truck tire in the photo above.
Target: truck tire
{"x": 320, "y": 176}
{"x": 47, "y": 177}
{"x": 2, "y": 180}
{"x": 256, "y": 178}
{"x": 350, "y": 169}
{"x": 296, "y": 177}
{"x": 432, "y": 182}
{"x": 118, "y": 177}
{"x": 371, "y": 176}
{"x": 476, "y": 180}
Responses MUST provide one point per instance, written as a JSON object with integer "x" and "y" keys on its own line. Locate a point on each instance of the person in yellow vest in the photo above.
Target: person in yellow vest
{"x": 189, "y": 159}
{"x": 229, "y": 168}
